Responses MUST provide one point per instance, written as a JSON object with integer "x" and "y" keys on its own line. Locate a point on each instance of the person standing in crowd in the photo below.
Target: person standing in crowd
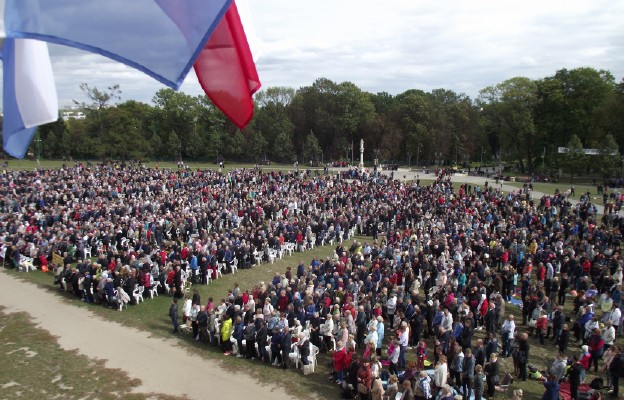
{"x": 551, "y": 384}
{"x": 492, "y": 372}
{"x": 507, "y": 336}
{"x": 616, "y": 371}
{"x": 523, "y": 355}
{"x": 574, "y": 377}
{"x": 479, "y": 383}
{"x": 407, "y": 393}
{"x": 173, "y": 314}
{"x": 226, "y": 334}
{"x": 468, "y": 374}
{"x": 596, "y": 346}
{"x": 285, "y": 346}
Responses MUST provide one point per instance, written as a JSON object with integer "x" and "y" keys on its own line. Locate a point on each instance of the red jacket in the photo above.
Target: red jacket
{"x": 596, "y": 343}
{"x": 282, "y": 303}
{"x": 340, "y": 357}
{"x": 484, "y": 308}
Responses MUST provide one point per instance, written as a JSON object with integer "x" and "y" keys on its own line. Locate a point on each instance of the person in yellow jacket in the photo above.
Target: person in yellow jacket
{"x": 226, "y": 333}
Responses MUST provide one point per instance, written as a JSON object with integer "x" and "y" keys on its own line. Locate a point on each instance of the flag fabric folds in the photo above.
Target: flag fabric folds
{"x": 29, "y": 93}
{"x": 161, "y": 38}
{"x": 226, "y": 70}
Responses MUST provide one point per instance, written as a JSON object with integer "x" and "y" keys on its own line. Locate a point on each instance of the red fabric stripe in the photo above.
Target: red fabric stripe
{"x": 226, "y": 70}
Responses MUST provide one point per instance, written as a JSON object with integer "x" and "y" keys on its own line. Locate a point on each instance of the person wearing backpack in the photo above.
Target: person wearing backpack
{"x": 616, "y": 371}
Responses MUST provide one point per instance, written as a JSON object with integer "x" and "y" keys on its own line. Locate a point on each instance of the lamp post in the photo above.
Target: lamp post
{"x": 376, "y": 161}
{"x": 418, "y": 155}
{"x": 37, "y": 146}
{"x": 351, "y": 152}
{"x": 409, "y": 159}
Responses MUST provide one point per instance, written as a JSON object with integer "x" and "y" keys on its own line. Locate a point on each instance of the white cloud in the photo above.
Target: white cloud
{"x": 395, "y": 45}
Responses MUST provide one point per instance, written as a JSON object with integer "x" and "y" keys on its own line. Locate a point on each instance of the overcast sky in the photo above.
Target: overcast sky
{"x": 394, "y": 46}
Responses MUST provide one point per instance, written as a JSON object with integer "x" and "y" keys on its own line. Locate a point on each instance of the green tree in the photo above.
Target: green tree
{"x": 97, "y": 102}
{"x": 255, "y": 145}
{"x": 609, "y": 156}
{"x": 234, "y": 146}
{"x": 585, "y": 89}
{"x": 174, "y": 146}
{"x": 574, "y": 160}
{"x": 312, "y": 149}
{"x": 283, "y": 148}
{"x": 54, "y": 139}
{"x": 509, "y": 107}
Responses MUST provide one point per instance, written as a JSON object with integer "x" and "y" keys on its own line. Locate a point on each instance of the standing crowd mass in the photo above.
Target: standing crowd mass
{"x": 450, "y": 280}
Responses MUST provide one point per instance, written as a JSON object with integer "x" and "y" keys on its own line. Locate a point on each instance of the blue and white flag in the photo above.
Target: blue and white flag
{"x": 161, "y": 38}
{"x": 29, "y": 94}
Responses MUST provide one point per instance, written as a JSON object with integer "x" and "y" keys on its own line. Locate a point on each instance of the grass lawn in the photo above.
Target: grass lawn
{"x": 34, "y": 366}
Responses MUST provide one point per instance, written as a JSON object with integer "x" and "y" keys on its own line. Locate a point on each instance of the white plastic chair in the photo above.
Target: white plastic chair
{"x": 314, "y": 351}
{"x": 221, "y": 266}
{"x": 140, "y": 289}
{"x": 257, "y": 257}
{"x": 26, "y": 263}
{"x": 87, "y": 252}
{"x": 153, "y": 291}
{"x": 187, "y": 327}
{"x": 294, "y": 356}
{"x": 234, "y": 266}
{"x": 272, "y": 255}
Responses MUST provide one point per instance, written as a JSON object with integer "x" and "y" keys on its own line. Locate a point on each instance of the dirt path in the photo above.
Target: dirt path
{"x": 161, "y": 364}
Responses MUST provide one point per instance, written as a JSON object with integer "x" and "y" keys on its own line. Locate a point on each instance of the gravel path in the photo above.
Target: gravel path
{"x": 162, "y": 365}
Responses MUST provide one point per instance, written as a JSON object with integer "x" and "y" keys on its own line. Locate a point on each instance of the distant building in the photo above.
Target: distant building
{"x": 67, "y": 115}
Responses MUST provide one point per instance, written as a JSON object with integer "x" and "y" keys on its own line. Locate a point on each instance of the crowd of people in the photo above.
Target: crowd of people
{"x": 422, "y": 308}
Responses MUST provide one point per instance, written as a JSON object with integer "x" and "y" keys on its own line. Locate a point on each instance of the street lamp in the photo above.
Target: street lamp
{"x": 409, "y": 159}
{"x": 37, "y": 146}
{"x": 376, "y": 161}
{"x": 418, "y": 155}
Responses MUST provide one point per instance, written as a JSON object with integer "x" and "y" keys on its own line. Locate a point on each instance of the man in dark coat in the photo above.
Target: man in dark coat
{"x": 360, "y": 323}
{"x": 492, "y": 372}
{"x": 574, "y": 376}
{"x": 490, "y": 319}
{"x": 250, "y": 338}
{"x": 173, "y": 314}
{"x": 285, "y": 347}
{"x": 202, "y": 324}
{"x": 261, "y": 339}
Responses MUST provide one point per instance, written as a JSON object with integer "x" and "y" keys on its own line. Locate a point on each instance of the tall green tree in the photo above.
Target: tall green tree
{"x": 585, "y": 89}
{"x": 609, "y": 156}
{"x": 510, "y": 106}
{"x": 574, "y": 160}
{"x": 174, "y": 146}
{"x": 283, "y": 149}
{"x": 312, "y": 149}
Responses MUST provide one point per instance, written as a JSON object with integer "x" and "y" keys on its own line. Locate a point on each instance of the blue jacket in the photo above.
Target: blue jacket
{"x": 552, "y": 390}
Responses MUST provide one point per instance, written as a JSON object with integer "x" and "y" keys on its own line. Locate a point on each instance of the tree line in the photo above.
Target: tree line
{"x": 520, "y": 121}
